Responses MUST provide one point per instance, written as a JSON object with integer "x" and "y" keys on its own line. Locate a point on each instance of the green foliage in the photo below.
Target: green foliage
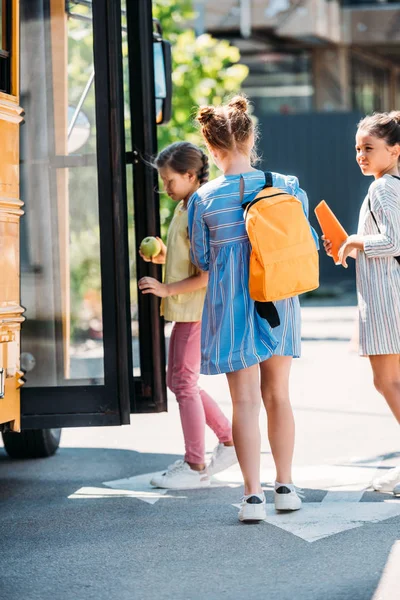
{"x": 205, "y": 71}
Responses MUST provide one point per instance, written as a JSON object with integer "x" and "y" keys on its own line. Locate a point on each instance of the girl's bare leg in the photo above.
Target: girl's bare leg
{"x": 244, "y": 386}
{"x": 386, "y": 369}
{"x": 281, "y": 430}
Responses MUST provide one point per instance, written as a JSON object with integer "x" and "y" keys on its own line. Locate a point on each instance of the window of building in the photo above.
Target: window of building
{"x": 370, "y": 86}
{"x": 280, "y": 82}
{"x": 5, "y": 45}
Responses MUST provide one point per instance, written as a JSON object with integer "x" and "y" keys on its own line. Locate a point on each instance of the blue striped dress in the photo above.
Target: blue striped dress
{"x": 378, "y": 273}
{"x": 234, "y": 336}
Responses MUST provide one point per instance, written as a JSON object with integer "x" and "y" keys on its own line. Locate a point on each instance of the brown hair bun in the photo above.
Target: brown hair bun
{"x": 228, "y": 127}
{"x": 205, "y": 114}
{"x": 395, "y": 115}
{"x": 239, "y": 103}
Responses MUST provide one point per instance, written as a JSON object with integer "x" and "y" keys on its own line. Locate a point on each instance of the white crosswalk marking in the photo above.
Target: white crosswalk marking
{"x": 339, "y": 510}
{"x": 388, "y": 587}
{"x": 317, "y": 520}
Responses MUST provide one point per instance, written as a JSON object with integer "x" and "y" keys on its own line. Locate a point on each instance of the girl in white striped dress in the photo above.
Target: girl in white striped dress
{"x": 376, "y": 248}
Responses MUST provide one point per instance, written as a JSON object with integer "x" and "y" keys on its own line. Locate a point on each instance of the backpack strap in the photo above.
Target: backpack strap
{"x": 268, "y": 311}
{"x": 269, "y": 182}
{"x": 241, "y": 191}
{"x": 372, "y": 214}
{"x": 376, "y": 222}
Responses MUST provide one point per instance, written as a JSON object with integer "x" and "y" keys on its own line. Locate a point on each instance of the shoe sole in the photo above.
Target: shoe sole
{"x": 224, "y": 468}
{"x": 384, "y": 490}
{"x": 287, "y": 504}
{"x": 180, "y": 487}
{"x": 253, "y": 513}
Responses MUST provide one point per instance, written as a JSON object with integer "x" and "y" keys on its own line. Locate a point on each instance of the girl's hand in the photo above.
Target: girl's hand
{"x": 149, "y": 285}
{"x": 344, "y": 251}
{"x": 327, "y": 245}
{"x": 350, "y": 248}
{"x": 160, "y": 258}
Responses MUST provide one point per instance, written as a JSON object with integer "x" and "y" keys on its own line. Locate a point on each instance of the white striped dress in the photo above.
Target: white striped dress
{"x": 378, "y": 273}
{"x": 234, "y": 336}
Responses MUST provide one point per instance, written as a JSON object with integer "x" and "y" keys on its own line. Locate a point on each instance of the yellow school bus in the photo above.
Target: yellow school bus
{"x": 83, "y": 84}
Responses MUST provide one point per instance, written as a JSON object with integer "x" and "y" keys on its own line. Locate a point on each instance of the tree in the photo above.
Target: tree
{"x": 205, "y": 71}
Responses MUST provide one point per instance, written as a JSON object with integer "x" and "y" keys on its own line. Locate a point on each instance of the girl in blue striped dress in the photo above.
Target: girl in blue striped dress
{"x": 235, "y": 339}
{"x": 375, "y": 247}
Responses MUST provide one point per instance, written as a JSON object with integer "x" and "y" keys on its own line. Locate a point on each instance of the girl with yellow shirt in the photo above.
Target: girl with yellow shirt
{"x": 183, "y": 168}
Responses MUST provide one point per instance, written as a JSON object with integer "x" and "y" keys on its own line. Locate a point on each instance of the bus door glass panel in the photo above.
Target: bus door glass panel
{"x": 130, "y": 200}
{"x": 62, "y": 342}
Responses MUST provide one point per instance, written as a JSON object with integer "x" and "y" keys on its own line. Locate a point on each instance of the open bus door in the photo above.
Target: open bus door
{"x": 92, "y": 350}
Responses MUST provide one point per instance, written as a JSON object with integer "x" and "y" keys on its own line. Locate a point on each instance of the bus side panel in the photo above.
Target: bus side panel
{"x": 10, "y": 309}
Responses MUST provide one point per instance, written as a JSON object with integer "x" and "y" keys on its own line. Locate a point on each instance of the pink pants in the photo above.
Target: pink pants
{"x": 196, "y": 407}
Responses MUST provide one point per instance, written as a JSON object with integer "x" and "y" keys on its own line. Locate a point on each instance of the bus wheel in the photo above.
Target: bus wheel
{"x": 32, "y": 443}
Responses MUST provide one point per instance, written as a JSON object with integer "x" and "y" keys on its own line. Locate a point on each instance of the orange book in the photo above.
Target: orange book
{"x": 331, "y": 228}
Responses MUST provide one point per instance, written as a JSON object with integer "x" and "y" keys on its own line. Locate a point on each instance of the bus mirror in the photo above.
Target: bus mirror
{"x": 78, "y": 129}
{"x": 162, "y": 80}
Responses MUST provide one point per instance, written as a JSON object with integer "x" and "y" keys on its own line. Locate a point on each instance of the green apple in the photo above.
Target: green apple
{"x": 150, "y": 247}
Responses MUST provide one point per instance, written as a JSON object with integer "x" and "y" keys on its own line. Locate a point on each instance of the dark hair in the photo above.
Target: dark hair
{"x": 182, "y": 157}
{"x": 383, "y": 125}
{"x": 228, "y": 127}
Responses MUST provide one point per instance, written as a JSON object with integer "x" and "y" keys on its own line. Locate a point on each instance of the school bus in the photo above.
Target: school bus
{"x": 83, "y": 85}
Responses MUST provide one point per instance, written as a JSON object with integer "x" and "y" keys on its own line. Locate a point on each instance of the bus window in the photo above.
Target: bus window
{"x": 5, "y": 55}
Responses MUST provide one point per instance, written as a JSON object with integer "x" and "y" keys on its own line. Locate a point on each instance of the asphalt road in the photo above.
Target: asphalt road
{"x": 86, "y": 525}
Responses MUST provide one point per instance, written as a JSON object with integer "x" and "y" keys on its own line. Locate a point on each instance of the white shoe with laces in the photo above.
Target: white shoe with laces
{"x": 387, "y": 482}
{"x": 222, "y": 458}
{"x": 253, "y": 508}
{"x": 287, "y": 496}
{"x": 179, "y": 476}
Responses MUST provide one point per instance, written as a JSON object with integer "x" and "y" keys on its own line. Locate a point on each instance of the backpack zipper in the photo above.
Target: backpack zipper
{"x": 253, "y": 202}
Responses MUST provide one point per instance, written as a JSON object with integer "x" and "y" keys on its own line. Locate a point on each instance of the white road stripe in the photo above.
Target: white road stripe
{"x": 388, "y": 588}
{"x": 316, "y": 520}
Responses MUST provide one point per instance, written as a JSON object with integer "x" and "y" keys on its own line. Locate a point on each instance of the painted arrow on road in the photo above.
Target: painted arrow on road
{"x": 317, "y": 520}
{"x": 340, "y": 510}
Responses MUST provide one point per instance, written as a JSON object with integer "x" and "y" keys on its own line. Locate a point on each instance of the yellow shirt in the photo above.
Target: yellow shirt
{"x": 181, "y": 307}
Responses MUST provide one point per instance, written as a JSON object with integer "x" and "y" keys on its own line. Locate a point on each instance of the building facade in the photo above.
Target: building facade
{"x": 315, "y": 68}
{"x": 313, "y": 55}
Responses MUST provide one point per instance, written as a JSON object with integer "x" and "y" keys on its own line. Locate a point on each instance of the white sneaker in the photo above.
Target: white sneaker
{"x": 253, "y": 508}
{"x": 222, "y": 458}
{"x": 396, "y": 490}
{"x": 180, "y": 476}
{"x": 287, "y": 497}
{"x": 386, "y": 483}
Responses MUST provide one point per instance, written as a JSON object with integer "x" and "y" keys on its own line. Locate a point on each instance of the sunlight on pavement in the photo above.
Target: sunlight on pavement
{"x": 342, "y": 477}
{"x": 388, "y": 588}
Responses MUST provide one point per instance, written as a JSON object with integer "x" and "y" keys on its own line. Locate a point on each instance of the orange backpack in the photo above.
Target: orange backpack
{"x": 284, "y": 256}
